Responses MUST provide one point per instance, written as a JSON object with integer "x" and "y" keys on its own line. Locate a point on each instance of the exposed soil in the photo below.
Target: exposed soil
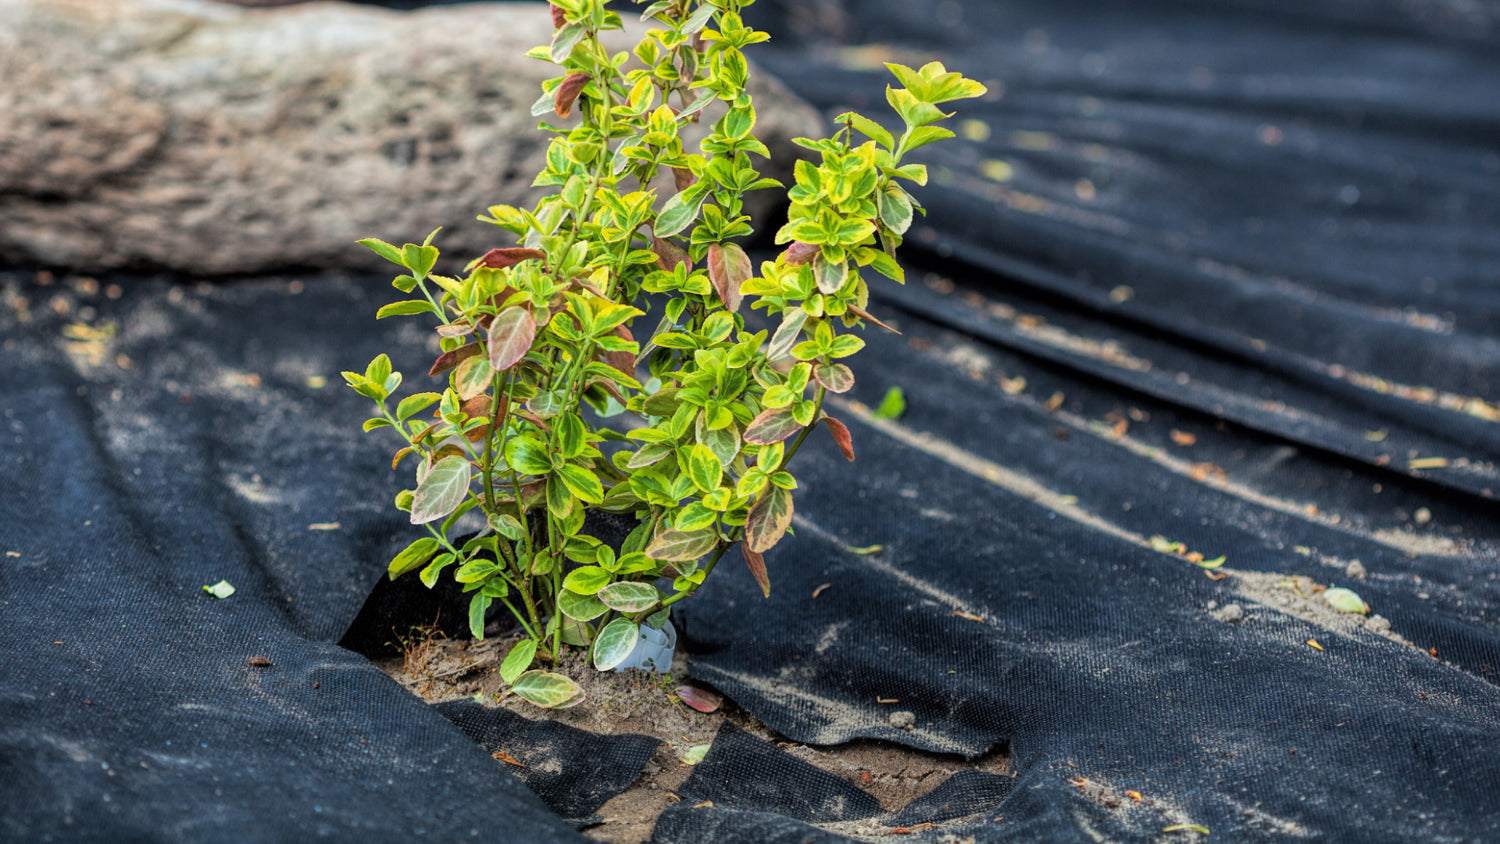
{"x": 439, "y": 669}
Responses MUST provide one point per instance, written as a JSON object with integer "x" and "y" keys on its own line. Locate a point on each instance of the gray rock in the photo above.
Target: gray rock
{"x": 212, "y": 139}
{"x": 1230, "y": 614}
{"x": 1356, "y": 570}
{"x": 902, "y": 720}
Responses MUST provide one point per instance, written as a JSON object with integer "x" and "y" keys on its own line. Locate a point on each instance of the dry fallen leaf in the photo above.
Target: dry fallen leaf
{"x": 506, "y": 758}
{"x": 1183, "y": 438}
{"x": 969, "y": 616}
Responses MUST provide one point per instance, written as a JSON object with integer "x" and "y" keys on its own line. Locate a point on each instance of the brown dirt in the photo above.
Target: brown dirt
{"x": 438, "y": 669}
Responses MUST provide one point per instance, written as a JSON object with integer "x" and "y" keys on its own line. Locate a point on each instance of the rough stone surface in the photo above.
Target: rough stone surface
{"x": 207, "y": 138}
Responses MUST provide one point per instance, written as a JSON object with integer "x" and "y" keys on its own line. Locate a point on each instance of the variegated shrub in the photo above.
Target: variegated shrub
{"x": 632, "y": 305}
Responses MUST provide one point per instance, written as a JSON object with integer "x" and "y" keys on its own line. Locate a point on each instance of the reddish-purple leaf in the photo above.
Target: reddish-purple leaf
{"x": 623, "y": 361}
{"x": 683, "y": 178}
{"x": 834, "y": 376}
{"x": 772, "y": 426}
{"x": 864, "y": 314}
{"x": 728, "y": 268}
{"x": 702, "y": 700}
{"x": 558, "y": 19}
{"x": 669, "y": 254}
{"x": 768, "y": 519}
{"x": 499, "y": 259}
{"x": 800, "y": 253}
{"x": 757, "y": 565}
{"x": 511, "y": 335}
{"x": 841, "y": 436}
{"x": 453, "y": 357}
{"x": 568, "y": 91}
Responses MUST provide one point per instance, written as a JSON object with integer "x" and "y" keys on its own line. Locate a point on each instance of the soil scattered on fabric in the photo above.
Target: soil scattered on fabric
{"x": 1300, "y": 597}
{"x": 438, "y": 669}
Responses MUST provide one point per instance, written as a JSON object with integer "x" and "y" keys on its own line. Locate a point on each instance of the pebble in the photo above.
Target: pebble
{"x": 903, "y": 720}
{"x": 1356, "y": 570}
{"x": 1231, "y": 613}
{"x": 1378, "y": 624}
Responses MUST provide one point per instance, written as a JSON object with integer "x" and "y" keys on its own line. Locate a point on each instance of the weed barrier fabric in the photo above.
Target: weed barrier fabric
{"x": 1201, "y": 281}
{"x": 141, "y": 466}
{"x": 574, "y": 771}
{"x": 1279, "y": 213}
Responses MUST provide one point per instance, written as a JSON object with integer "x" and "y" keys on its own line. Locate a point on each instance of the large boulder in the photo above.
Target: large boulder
{"x": 207, "y": 138}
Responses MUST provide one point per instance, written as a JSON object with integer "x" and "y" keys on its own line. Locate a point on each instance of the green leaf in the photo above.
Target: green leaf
{"x": 614, "y": 643}
{"x": 441, "y": 491}
{"x": 221, "y": 590}
{"x": 510, "y": 337}
{"x": 699, "y": 18}
{"x": 912, "y": 110}
{"x": 629, "y": 596}
{"x": 892, "y": 405}
{"x": 430, "y": 574}
{"x": 383, "y": 249}
{"x": 528, "y": 455}
{"x": 478, "y": 606}
{"x": 870, "y": 128}
{"x": 507, "y": 526}
{"x": 704, "y": 467}
{"x": 786, "y": 335}
{"x": 415, "y": 403}
{"x": 410, "y": 306}
{"x": 845, "y": 345}
{"x": 695, "y": 754}
{"x": 560, "y": 500}
{"x": 570, "y": 435}
{"x": 547, "y": 690}
{"x": 768, "y": 519}
{"x": 379, "y": 369}
{"x": 772, "y": 426}
{"x": 837, "y": 377}
{"x": 680, "y": 546}
{"x": 518, "y": 660}
{"x": 678, "y": 212}
{"x": 831, "y": 275}
{"x": 695, "y": 516}
{"x": 419, "y": 259}
{"x": 587, "y": 580}
{"x": 580, "y": 607}
{"x": 472, "y": 377}
{"x": 581, "y": 482}
{"x": 895, "y": 209}
{"x": 412, "y": 556}
{"x": 924, "y": 135}
{"x": 564, "y": 40}
{"x": 648, "y": 455}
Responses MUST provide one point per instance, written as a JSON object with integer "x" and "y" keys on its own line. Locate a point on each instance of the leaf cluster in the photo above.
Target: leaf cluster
{"x": 604, "y": 360}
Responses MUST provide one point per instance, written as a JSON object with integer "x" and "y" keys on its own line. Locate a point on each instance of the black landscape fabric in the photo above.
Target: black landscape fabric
{"x": 1200, "y": 281}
